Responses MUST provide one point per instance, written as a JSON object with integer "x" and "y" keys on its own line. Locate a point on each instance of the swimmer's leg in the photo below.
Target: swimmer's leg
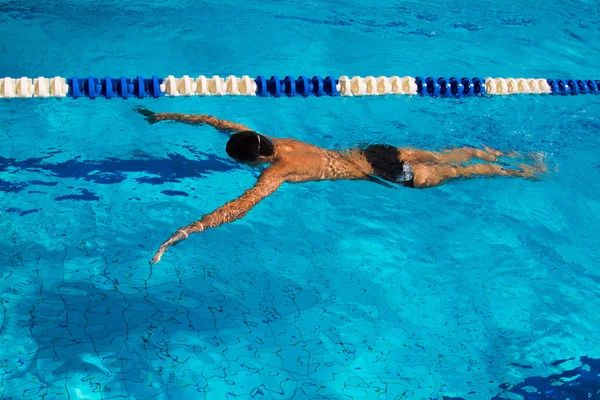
{"x": 433, "y": 175}
{"x": 457, "y": 155}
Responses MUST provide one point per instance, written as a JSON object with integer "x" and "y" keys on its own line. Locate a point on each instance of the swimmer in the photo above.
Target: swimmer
{"x": 293, "y": 161}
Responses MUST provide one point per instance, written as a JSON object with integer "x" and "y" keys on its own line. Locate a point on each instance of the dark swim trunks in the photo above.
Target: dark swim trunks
{"x": 387, "y": 164}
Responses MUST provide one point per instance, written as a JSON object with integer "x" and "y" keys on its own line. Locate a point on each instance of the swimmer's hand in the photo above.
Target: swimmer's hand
{"x": 151, "y": 116}
{"x": 177, "y": 237}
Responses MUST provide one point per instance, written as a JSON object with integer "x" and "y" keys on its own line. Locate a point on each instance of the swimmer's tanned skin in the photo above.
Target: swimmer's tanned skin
{"x": 295, "y": 161}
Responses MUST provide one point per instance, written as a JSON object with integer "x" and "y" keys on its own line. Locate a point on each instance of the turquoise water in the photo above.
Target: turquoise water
{"x": 332, "y": 290}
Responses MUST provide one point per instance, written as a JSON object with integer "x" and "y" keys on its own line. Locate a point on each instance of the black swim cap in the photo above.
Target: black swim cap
{"x": 248, "y": 145}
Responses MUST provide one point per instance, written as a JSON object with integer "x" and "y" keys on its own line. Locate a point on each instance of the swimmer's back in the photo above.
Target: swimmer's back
{"x": 306, "y": 162}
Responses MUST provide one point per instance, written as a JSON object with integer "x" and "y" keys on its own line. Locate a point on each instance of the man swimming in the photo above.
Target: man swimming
{"x": 295, "y": 161}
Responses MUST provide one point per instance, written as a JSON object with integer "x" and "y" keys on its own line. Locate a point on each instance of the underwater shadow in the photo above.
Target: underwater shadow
{"x": 582, "y": 382}
{"x": 171, "y": 168}
{"x": 121, "y": 342}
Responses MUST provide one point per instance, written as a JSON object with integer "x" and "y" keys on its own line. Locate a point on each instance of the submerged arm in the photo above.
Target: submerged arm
{"x": 193, "y": 119}
{"x": 267, "y": 183}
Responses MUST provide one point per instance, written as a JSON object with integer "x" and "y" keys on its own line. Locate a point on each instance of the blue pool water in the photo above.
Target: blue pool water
{"x": 332, "y": 290}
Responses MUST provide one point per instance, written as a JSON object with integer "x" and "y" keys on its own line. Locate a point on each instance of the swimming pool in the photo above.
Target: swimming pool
{"x": 476, "y": 289}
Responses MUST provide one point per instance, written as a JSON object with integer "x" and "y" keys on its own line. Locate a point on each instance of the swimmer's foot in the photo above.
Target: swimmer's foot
{"x": 151, "y": 116}
{"x": 538, "y": 157}
{"x": 533, "y": 171}
{"x": 498, "y": 153}
{"x": 493, "y": 152}
{"x": 527, "y": 171}
{"x": 539, "y": 162}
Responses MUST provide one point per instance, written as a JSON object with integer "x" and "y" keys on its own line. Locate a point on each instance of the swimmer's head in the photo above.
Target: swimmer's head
{"x": 250, "y": 147}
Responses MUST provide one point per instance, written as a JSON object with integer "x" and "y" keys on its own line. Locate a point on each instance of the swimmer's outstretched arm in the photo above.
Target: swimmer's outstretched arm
{"x": 193, "y": 119}
{"x": 267, "y": 183}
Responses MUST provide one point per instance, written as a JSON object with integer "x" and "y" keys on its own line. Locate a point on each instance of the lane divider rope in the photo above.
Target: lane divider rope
{"x": 289, "y": 86}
